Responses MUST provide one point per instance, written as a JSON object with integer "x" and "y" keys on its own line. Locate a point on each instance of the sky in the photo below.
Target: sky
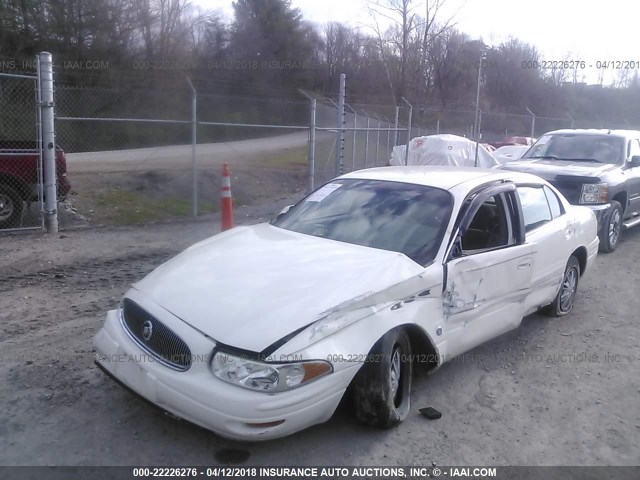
{"x": 580, "y": 30}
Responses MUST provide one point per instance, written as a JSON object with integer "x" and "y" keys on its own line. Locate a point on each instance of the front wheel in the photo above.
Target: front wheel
{"x": 11, "y": 206}
{"x": 611, "y": 228}
{"x": 563, "y": 302}
{"x": 382, "y": 387}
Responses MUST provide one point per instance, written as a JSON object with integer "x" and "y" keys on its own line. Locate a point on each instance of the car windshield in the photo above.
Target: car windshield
{"x": 401, "y": 217}
{"x": 572, "y": 146}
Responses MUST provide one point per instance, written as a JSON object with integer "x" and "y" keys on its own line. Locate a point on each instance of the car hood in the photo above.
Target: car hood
{"x": 252, "y": 286}
{"x": 551, "y": 169}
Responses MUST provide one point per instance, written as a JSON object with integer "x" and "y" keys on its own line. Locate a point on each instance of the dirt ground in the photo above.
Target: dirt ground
{"x": 554, "y": 392}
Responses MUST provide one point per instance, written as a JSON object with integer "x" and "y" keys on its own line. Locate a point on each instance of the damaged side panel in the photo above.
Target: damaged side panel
{"x": 485, "y": 295}
{"x": 363, "y": 320}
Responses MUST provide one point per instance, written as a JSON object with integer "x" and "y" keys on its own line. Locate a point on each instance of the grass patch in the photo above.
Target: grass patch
{"x": 124, "y": 207}
{"x": 292, "y": 156}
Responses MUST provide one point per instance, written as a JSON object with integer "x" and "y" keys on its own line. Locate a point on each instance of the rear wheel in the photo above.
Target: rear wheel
{"x": 563, "y": 302}
{"x": 611, "y": 228}
{"x": 382, "y": 387}
{"x": 11, "y": 206}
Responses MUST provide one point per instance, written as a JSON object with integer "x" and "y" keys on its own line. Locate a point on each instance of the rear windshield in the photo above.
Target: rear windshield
{"x": 572, "y": 146}
{"x": 400, "y": 217}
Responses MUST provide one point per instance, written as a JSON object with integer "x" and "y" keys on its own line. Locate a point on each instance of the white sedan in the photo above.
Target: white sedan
{"x": 258, "y": 332}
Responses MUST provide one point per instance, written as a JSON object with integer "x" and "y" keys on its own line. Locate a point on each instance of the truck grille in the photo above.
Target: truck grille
{"x": 571, "y": 191}
{"x": 155, "y": 337}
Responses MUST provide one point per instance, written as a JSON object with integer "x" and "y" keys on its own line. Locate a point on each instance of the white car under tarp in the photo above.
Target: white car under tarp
{"x": 445, "y": 149}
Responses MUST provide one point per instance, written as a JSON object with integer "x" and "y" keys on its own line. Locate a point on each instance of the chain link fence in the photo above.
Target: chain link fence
{"x": 20, "y": 154}
{"x": 144, "y": 153}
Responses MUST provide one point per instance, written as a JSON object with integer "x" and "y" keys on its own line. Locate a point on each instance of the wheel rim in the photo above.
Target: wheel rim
{"x": 614, "y": 227}
{"x": 568, "y": 291}
{"x": 6, "y": 207}
{"x": 396, "y": 372}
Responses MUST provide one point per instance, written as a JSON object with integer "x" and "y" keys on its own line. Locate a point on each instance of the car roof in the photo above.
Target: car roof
{"x": 444, "y": 177}
{"x": 597, "y": 131}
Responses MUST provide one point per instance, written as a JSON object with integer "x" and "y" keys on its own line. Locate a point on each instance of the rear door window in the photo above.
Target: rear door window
{"x": 535, "y": 207}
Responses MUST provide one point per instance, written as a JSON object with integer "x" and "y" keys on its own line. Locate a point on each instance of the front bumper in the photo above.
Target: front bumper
{"x": 199, "y": 397}
{"x": 600, "y": 212}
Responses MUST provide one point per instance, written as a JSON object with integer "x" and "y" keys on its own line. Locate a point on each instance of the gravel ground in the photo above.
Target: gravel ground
{"x": 554, "y": 392}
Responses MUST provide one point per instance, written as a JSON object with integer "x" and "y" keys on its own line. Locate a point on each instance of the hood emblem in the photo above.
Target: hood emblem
{"x": 147, "y": 330}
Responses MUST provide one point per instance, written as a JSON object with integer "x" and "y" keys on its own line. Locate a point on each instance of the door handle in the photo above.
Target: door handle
{"x": 524, "y": 265}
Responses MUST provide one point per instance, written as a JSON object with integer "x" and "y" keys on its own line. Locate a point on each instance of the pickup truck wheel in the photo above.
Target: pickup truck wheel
{"x": 611, "y": 228}
{"x": 563, "y": 302}
{"x": 11, "y": 206}
{"x": 382, "y": 387}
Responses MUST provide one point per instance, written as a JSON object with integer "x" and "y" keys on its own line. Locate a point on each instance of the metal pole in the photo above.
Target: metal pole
{"x": 355, "y": 126}
{"x": 395, "y": 140}
{"x": 312, "y": 145}
{"x": 194, "y": 167}
{"x": 45, "y": 81}
{"x": 438, "y": 127}
{"x": 366, "y": 143}
{"x": 478, "y": 139}
{"x": 353, "y": 150}
{"x": 571, "y": 118}
{"x": 340, "y": 125}
{"x": 388, "y": 141}
{"x": 475, "y": 123}
{"x": 406, "y": 153}
{"x": 39, "y": 137}
{"x": 533, "y": 122}
{"x": 375, "y": 163}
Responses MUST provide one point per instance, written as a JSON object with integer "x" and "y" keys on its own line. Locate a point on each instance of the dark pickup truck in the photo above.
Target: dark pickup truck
{"x": 20, "y": 178}
{"x": 595, "y": 168}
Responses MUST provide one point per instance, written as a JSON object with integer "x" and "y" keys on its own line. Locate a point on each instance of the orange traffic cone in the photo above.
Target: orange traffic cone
{"x": 226, "y": 212}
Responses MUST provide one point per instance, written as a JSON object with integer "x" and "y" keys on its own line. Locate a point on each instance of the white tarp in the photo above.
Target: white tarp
{"x": 443, "y": 150}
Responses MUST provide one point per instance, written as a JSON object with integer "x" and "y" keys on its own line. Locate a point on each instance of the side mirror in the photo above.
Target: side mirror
{"x": 282, "y": 212}
{"x": 635, "y": 161}
{"x": 286, "y": 209}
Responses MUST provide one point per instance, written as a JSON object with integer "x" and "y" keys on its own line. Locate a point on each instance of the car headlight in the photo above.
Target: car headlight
{"x": 594, "y": 193}
{"x": 265, "y": 376}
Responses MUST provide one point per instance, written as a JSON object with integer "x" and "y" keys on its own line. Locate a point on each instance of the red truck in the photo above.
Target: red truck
{"x": 19, "y": 179}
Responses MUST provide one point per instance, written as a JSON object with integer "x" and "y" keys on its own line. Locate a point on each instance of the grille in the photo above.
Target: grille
{"x": 155, "y": 337}
{"x": 571, "y": 191}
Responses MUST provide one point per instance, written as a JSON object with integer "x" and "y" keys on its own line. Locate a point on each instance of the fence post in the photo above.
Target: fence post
{"x": 366, "y": 143}
{"x": 353, "y": 147}
{"x": 406, "y": 153}
{"x": 340, "y": 126}
{"x": 375, "y": 163}
{"x": 395, "y": 140}
{"x": 478, "y": 134}
{"x": 45, "y": 87}
{"x": 312, "y": 144}
{"x": 388, "y": 141}
{"x": 533, "y": 122}
{"x": 194, "y": 166}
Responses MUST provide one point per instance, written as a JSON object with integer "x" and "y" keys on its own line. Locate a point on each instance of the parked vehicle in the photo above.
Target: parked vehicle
{"x": 509, "y": 153}
{"x": 514, "y": 141}
{"x": 596, "y": 168}
{"x": 443, "y": 149}
{"x": 258, "y": 332}
{"x": 19, "y": 166}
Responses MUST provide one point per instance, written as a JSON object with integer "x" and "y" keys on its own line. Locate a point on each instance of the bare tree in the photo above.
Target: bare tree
{"x": 412, "y": 36}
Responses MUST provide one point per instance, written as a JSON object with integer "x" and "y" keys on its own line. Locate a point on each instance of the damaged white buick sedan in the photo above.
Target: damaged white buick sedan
{"x": 258, "y": 332}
